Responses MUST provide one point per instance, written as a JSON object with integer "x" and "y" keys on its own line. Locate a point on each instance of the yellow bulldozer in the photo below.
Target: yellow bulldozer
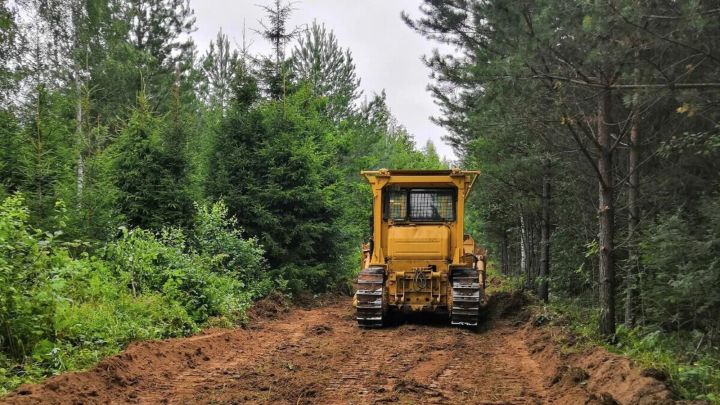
{"x": 418, "y": 257}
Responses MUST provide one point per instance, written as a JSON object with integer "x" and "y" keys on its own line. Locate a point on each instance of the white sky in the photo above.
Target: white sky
{"x": 387, "y": 53}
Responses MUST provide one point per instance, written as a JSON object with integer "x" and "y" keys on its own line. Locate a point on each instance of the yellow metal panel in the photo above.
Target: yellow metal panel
{"x": 419, "y": 242}
{"x": 436, "y": 180}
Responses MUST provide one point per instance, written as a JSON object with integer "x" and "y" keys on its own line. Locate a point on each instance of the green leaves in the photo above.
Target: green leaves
{"x": 58, "y": 312}
{"x": 151, "y": 172}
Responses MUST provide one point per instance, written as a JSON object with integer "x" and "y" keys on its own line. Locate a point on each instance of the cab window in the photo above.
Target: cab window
{"x": 420, "y": 204}
{"x": 396, "y": 207}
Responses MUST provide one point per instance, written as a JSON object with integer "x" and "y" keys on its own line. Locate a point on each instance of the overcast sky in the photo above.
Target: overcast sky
{"x": 387, "y": 53}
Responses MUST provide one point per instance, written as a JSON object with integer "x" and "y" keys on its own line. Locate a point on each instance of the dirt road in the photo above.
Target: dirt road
{"x": 319, "y": 356}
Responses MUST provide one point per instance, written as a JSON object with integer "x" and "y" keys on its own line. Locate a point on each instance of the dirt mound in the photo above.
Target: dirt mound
{"x": 503, "y": 304}
{"x": 268, "y": 308}
{"x": 593, "y": 373}
{"x": 123, "y": 377}
{"x": 320, "y": 356}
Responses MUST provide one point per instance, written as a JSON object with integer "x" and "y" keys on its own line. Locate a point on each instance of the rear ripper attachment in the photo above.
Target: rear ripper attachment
{"x": 467, "y": 297}
{"x": 370, "y": 295}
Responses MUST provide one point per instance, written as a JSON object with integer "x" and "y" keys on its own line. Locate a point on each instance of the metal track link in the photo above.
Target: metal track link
{"x": 466, "y": 297}
{"x": 370, "y": 294}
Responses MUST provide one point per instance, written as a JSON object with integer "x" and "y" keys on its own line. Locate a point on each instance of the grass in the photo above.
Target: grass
{"x": 689, "y": 359}
{"x": 690, "y": 362}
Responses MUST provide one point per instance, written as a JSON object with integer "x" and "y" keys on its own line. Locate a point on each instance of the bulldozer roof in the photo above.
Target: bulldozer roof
{"x": 419, "y": 172}
{"x": 423, "y": 176}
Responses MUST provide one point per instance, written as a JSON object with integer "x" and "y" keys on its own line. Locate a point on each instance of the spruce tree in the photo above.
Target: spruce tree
{"x": 275, "y": 69}
{"x": 150, "y": 175}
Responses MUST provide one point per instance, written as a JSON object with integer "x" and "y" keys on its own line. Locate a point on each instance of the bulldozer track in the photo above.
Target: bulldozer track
{"x": 319, "y": 355}
{"x": 370, "y": 295}
{"x": 466, "y": 298}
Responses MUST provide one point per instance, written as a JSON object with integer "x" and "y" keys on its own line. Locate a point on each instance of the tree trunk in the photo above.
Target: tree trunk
{"x": 631, "y": 291}
{"x": 606, "y": 217}
{"x": 80, "y": 175}
{"x": 530, "y": 252}
{"x": 543, "y": 292}
{"x": 524, "y": 254}
{"x": 39, "y": 152}
{"x": 505, "y": 256}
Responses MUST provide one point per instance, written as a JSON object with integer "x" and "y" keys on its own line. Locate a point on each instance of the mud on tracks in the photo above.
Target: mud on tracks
{"x": 318, "y": 355}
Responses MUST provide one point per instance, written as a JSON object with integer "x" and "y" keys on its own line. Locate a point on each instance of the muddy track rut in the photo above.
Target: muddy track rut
{"x": 319, "y": 356}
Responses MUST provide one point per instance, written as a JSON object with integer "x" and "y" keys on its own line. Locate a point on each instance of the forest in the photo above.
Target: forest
{"x": 151, "y": 189}
{"x": 596, "y": 126}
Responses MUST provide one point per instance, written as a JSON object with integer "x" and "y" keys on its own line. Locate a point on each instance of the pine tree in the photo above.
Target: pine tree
{"x": 9, "y": 127}
{"x": 376, "y": 112}
{"x": 539, "y": 81}
{"x": 159, "y": 30}
{"x": 9, "y": 53}
{"x": 318, "y": 60}
{"x": 219, "y": 65}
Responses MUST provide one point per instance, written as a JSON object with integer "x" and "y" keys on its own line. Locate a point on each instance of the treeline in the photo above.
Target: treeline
{"x": 596, "y": 127}
{"x": 150, "y": 188}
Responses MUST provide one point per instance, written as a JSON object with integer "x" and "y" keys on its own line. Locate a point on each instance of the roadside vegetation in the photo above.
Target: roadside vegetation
{"x": 679, "y": 358}
{"x": 148, "y": 190}
{"x": 689, "y": 367}
{"x": 67, "y": 304}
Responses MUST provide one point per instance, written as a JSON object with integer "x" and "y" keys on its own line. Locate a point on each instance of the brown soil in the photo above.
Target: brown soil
{"x": 318, "y": 355}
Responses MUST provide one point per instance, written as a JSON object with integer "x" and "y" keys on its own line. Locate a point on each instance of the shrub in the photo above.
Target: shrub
{"x": 27, "y": 264}
{"x": 64, "y": 308}
{"x": 218, "y": 238}
{"x": 684, "y": 254}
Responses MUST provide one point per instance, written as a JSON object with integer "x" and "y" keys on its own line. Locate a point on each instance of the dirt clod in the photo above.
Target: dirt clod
{"x": 320, "y": 329}
{"x": 577, "y": 375}
{"x": 655, "y": 373}
{"x": 607, "y": 399}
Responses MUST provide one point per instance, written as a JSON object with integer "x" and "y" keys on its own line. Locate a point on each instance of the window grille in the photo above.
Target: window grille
{"x": 402, "y": 204}
{"x": 397, "y": 205}
{"x": 431, "y": 205}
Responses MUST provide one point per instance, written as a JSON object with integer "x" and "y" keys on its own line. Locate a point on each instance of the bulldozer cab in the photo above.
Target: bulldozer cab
{"x": 418, "y": 214}
{"x": 418, "y": 255}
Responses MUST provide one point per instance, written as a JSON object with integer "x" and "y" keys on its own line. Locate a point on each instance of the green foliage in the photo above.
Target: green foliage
{"x": 217, "y": 236}
{"x": 682, "y": 252}
{"x": 522, "y": 104}
{"x": 691, "y": 364}
{"x": 115, "y": 131}
{"x": 330, "y": 71}
{"x": 10, "y": 143}
{"x": 694, "y": 370}
{"x": 274, "y": 170}
{"x": 219, "y": 65}
{"x": 94, "y": 214}
{"x": 27, "y": 263}
{"x": 44, "y": 148}
{"x": 61, "y": 311}
{"x": 150, "y": 175}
